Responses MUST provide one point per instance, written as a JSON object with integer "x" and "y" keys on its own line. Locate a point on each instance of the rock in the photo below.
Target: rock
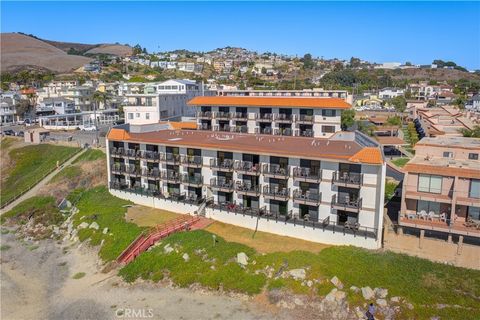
{"x": 382, "y": 303}
{"x": 94, "y": 225}
{"x": 336, "y": 282}
{"x": 83, "y": 225}
{"x": 395, "y": 299}
{"x": 381, "y": 293}
{"x": 367, "y": 293}
{"x": 212, "y": 267}
{"x": 286, "y": 305}
{"x": 331, "y": 296}
{"x": 186, "y": 257}
{"x": 297, "y": 274}
{"x": 410, "y": 306}
{"x": 360, "y": 314}
{"x": 167, "y": 248}
{"x": 298, "y": 302}
{"x": 340, "y": 296}
{"x": 242, "y": 258}
{"x": 105, "y": 230}
{"x": 309, "y": 283}
{"x": 355, "y": 289}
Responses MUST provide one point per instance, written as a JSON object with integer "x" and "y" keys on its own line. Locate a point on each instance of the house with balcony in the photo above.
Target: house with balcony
{"x": 8, "y": 107}
{"x": 274, "y": 116}
{"x": 58, "y": 105}
{"x": 441, "y": 188}
{"x": 328, "y": 190}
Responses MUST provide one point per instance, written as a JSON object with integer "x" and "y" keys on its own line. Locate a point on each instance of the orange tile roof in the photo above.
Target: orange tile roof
{"x": 369, "y": 155}
{"x": 183, "y": 125}
{"x": 332, "y": 103}
{"x": 118, "y": 134}
{"x": 442, "y": 170}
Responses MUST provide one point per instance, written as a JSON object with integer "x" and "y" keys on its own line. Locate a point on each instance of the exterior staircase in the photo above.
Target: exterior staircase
{"x": 149, "y": 238}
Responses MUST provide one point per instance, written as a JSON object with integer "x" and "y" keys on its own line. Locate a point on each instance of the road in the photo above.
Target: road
{"x": 32, "y": 192}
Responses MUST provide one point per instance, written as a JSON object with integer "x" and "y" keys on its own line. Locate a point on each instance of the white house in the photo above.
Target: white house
{"x": 389, "y": 93}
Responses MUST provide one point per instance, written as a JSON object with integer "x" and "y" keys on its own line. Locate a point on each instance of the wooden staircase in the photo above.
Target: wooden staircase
{"x": 148, "y": 238}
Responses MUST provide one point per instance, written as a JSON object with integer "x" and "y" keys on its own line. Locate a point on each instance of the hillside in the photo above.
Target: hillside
{"x": 433, "y": 74}
{"x": 115, "y": 49}
{"x": 19, "y": 52}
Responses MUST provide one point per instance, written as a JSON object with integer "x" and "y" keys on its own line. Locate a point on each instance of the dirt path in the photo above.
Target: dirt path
{"x": 34, "y": 191}
{"x": 37, "y": 283}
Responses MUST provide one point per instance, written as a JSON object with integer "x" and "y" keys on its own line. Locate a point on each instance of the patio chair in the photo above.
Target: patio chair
{"x": 431, "y": 215}
{"x": 443, "y": 217}
{"x": 422, "y": 214}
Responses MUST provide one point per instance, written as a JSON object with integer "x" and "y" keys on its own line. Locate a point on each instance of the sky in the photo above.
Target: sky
{"x": 418, "y": 32}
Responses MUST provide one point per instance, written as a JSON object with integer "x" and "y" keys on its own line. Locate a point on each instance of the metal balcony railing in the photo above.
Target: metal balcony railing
{"x": 150, "y": 155}
{"x": 205, "y": 114}
{"x": 172, "y": 158}
{"x": 345, "y": 202}
{"x": 170, "y": 176}
{"x": 151, "y": 173}
{"x": 204, "y": 126}
{"x": 247, "y": 167}
{"x": 305, "y": 118}
{"x": 239, "y": 129}
{"x": 192, "y": 180}
{"x": 240, "y": 116}
{"x": 264, "y": 116}
{"x": 307, "y": 174}
{"x": 283, "y": 132}
{"x": 223, "y": 165}
{"x": 223, "y": 128}
{"x": 276, "y": 170}
{"x": 192, "y": 161}
{"x": 221, "y": 184}
{"x": 267, "y": 130}
{"x": 276, "y": 192}
{"x": 313, "y": 197}
{"x": 247, "y": 188}
{"x": 345, "y": 178}
{"x": 282, "y": 117}
{"x": 222, "y": 115}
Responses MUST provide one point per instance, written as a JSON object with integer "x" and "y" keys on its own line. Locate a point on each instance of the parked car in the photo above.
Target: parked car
{"x": 90, "y": 128}
{"x": 9, "y": 132}
{"x": 20, "y": 134}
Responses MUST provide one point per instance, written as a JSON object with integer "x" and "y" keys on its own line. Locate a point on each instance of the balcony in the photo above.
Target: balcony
{"x": 135, "y": 189}
{"x": 192, "y": 161}
{"x": 267, "y": 130}
{"x": 305, "y": 119}
{"x": 204, "y": 126}
{"x": 283, "y": 132}
{"x": 306, "y": 133}
{"x": 247, "y": 167}
{"x": 205, "y": 115}
{"x": 307, "y": 174}
{"x": 275, "y": 171}
{"x": 241, "y": 116}
{"x": 117, "y": 168}
{"x": 225, "y": 165}
{"x": 224, "y": 185}
{"x": 132, "y": 153}
{"x": 132, "y": 170}
{"x": 224, "y": 128}
{"x": 118, "y": 152}
{"x": 264, "y": 117}
{"x": 170, "y": 176}
{"x": 247, "y": 188}
{"x": 347, "y": 179}
{"x": 343, "y": 202}
{"x": 440, "y": 222}
{"x": 284, "y": 118}
{"x": 193, "y": 181}
{"x": 310, "y": 197}
{"x": 276, "y": 193}
{"x": 239, "y": 129}
{"x": 170, "y": 158}
{"x": 222, "y": 115}
{"x": 153, "y": 173}
{"x": 150, "y": 155}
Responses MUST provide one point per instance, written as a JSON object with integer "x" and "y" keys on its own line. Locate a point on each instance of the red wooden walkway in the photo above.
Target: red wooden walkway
{"x": 148, "y": 238}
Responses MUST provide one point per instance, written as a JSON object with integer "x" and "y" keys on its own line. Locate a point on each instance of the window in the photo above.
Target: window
{"x": 428, "y": 183}
{"x": 428, "y": 206}
{"x": 147, "y": 116}
{"x": 473, "y": 156}
{"x": 328, "y": 129}
{"x": 447, "y": 154}
{"x": 328, "y": 113}
{"x": 474, "y": 188}
{"x": 130, "y": 115}
{"x": 137, "y": 115}
{"x": 474, "y": 213}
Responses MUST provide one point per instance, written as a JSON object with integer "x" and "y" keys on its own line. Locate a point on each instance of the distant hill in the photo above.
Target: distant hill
{"x": 115, "y": 49}
{"x": 82, "y": 48}
{"x": 20, "y": 52}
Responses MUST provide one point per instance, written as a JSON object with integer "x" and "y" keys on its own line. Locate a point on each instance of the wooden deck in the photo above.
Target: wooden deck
{"x": 457, "y": 228}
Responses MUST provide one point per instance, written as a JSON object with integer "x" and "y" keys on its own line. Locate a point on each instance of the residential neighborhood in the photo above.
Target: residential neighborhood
{"x": 186, "y": 167}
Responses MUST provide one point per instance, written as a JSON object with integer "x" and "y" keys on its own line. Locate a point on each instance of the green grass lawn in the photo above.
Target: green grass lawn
{"x": 400, "y": 162}
{"x": 99, "y": 205}
{"x": 30, "y": 164}
{"x": 390, "y": 187}
{"x": 70, "y": 172}
{"x": 90, "y": 155}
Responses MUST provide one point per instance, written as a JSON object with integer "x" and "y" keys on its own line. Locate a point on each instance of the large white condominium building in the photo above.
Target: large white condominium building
{"x": 328, "y": 190}
{"x": 162, "y": 101}
{"x": 283, "y": 116}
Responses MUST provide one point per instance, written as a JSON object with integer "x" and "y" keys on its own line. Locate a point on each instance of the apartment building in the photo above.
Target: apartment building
{"x": 80, "y": 95}
{"x": 162, "y": 101}
{"x": 284, "y": 116}
{"x": 314, "y": 93}
{"x": 441, "y": 188}
{"x": 317, "y": 189}
{"x": 8, "y": 106}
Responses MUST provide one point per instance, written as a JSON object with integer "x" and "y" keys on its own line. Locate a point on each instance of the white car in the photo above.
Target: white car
{"x": 90, "y": 128}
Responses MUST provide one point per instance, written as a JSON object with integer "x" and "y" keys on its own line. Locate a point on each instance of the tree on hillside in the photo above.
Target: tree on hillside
{"x": 471, "y": 133}
{"x": 399, "y": 103}
{"x": 354, "y": 62}
{"x": 347, "y": 118}
{"x": 137, "y": 49}
{"x": 308, "y": 61}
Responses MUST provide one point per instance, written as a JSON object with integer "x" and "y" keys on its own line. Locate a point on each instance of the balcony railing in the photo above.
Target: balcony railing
{"x": 307, "y": 174}
{"x": 136, "y": 189}
{"x": 117, "y": 151}
{"x": 240, "y": 116}
{"x": 153, "y": 173}
{"x": 117, "y": 168}
{"x": 205, "y": 114}
{"x": 221, "y": 184}
{"x": 195, "y": 180}
{"x": 311, "y": 197}
{"x": 172, "y": 158}
{"x": 132, "y": 153}
{"x": 247, "y": 188}
{"x": 264, "y": 117}
{"x": 239, "y": 129}
{"x": 303, "y": 118}
{"x": 267, "y": 130}
{"x": 223, "y": 128}
{"x": 204, "y": 126}
{"x": 150, "y": 155}
{"x": 222, "y": 165}
{"x": 276, "y": 171}
{"x": 283, "y": 132}
{"x": 344, "y": 202}
{"x": 192, "y": 161}
{"x": 222, "y": 115}
{"x": 348, "y": 179}
{"x": 170, "y": 176}
{"x": 285, "y": 118}
{"x": 247, "y": 167}
{"x": 276, "y": 192}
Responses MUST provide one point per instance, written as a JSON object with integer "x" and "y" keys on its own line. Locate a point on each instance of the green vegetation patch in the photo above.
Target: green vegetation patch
{"x": 31, "y": 163}
{"x": 4, "y": 247}
{"x": 42, "y": 209}
{"x": 90, "y": 155}
{"x": 400, "y": 162}
{"x": 70, "y": 172}
{"x": 78, "y": 275}
{"x": 390, "y": 187}
{"x": 98, "y": 205}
